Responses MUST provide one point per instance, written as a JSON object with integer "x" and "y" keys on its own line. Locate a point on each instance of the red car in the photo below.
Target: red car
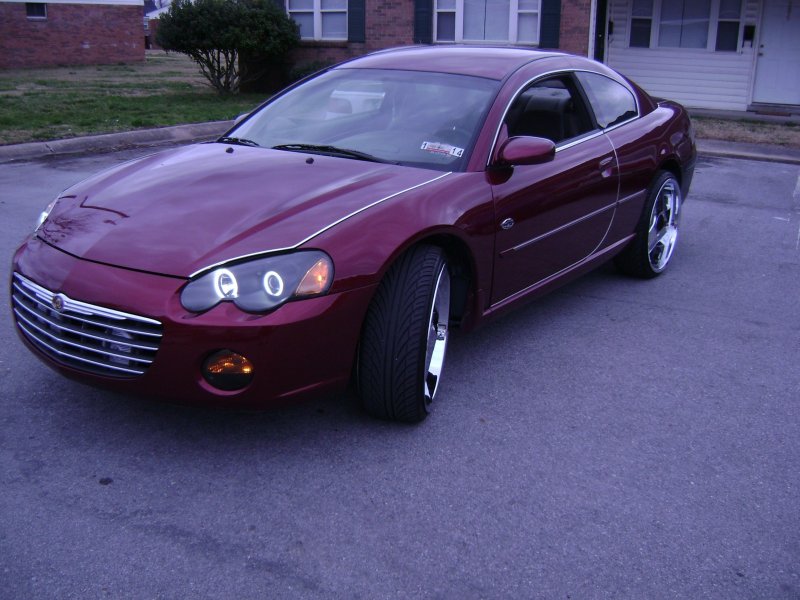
{"x": 340, "y": 230}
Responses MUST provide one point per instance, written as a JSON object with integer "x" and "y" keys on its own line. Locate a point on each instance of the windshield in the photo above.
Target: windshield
{"x": 406, "y": 117}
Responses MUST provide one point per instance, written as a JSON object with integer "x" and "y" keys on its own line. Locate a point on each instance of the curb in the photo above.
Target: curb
{"x": 762, "y": 152}
{"x": 111, "y": 142}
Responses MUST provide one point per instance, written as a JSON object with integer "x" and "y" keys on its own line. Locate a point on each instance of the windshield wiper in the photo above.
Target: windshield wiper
{"x": 238, "y": 141}
{"x": 325, "y": 149}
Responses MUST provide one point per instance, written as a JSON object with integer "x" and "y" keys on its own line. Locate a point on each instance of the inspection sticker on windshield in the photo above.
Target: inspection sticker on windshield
{"x": 439, "y": 148}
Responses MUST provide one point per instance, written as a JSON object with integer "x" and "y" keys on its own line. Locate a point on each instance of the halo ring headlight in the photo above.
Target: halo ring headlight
{"x": 273, "y": 284}
{"x": 225, "y": 284}
{"x": 261, "y": 284}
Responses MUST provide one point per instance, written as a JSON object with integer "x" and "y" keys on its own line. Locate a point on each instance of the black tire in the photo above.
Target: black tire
{"x": 650, "y": 251}
{"x": 405, "y": 336}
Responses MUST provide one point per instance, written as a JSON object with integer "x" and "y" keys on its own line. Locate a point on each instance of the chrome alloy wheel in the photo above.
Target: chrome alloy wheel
{"x": 437, "y": 334}
{"x": 663, "y": 231}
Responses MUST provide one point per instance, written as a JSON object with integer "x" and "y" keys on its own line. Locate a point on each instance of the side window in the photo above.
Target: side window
{"x": 550, "y": 109}
{"x": 611, "y": 102}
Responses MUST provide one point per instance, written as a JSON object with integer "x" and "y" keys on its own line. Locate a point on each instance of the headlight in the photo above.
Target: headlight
{"x": 45, "y": 213}
{"x": 263, "y": 284}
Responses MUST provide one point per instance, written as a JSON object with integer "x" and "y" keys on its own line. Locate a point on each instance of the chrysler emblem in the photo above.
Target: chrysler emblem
{"x": 58, "y": 302}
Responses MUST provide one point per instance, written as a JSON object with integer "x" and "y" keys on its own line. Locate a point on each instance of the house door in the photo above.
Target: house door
{"x": 600, "y": 30}
{"x": 778, "y": 69}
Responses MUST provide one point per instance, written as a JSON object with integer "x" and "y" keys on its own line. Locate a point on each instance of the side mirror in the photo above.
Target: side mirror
{"x": 241, "y": 117}
{"x": 525, "y": 150}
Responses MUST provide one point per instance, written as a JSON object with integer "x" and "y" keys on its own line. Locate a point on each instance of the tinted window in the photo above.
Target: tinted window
{"x": 549, "y": 109}
{"x": 611, "y": 102}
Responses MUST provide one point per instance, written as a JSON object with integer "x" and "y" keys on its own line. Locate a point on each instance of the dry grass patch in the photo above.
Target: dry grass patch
{"x": 158, "y": 66}
{"x": 753, "y": 132}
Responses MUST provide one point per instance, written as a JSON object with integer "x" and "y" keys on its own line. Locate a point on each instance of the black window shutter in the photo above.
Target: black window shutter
{"x": 551, "y": 23}
{"x": 280, "y": 4}
{"x": 356, "y": 21}
{"x": 423, "y": 21}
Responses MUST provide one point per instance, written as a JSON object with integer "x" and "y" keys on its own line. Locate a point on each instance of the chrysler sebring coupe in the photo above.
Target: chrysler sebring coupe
{"x": 338, "y": 232}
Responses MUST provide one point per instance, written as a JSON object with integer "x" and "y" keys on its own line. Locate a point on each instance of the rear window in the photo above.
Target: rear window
{"x": 611, "y": 101}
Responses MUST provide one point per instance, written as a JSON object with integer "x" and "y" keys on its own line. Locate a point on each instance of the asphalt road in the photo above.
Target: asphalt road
{"x": 617, "y": 439}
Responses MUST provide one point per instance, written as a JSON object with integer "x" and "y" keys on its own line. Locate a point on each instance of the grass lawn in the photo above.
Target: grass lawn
{"x": 167, "y": 89}
{"x": 63, "y": 102}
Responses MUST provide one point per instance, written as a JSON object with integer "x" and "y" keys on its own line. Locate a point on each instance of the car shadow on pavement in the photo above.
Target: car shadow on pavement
{"x": 79, "y": 415}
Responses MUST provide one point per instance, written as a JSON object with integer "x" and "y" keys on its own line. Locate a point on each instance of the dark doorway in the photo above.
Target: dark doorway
{"x": 600, "y": 30}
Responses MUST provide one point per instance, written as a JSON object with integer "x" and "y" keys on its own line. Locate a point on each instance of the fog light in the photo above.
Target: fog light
{"x": 227, "y": 370}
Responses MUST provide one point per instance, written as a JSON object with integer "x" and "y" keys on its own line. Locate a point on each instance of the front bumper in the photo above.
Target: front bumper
{"x": 302, "y": 349}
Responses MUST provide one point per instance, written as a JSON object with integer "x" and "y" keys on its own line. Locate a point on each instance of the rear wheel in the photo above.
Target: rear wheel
{"x": 404, "y": 338}
{"x": 650, "y": 251}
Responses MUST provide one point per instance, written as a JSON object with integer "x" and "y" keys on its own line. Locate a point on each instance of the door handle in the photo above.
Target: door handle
{"x": 605, "y": 166}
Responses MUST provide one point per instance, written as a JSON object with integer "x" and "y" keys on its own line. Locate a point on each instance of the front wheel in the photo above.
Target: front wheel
{"x": 404, "y": 337}
{"x": 651, "y": 249}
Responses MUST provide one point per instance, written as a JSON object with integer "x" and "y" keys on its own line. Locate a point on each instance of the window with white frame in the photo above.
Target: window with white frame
{"x": 515, "y": 21}
{"x": 319, "y": 19}
{"x": 730, "y": 21}
{"x": 641, "y": 23}
{"x": 709, "y": 24}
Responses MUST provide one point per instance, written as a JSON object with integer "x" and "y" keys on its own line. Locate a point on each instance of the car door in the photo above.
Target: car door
{"x": 551, "y": 216}
{"x": 617, "y": 113}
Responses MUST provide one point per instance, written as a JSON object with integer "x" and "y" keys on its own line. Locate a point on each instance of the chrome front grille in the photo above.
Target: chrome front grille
{"x": 84, "y": 336}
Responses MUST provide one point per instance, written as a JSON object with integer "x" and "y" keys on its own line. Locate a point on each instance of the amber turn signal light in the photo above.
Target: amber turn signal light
{"x": 315, "y": 280}
{"x": 226, "y": 370}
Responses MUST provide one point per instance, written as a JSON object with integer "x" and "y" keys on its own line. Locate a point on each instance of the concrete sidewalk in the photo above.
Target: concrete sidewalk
{"x": 206, "y": 131}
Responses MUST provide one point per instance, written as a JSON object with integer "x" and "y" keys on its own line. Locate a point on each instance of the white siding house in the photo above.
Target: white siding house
{"x": 719, "y": 54}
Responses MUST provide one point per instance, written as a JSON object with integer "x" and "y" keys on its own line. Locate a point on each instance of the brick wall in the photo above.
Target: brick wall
{"x": 327, "y": 52}
{"x": 574, "y": 30}
{"x": 72, "y": 34}
{"x": 152, "y": 32}
{"x": 389, "y": 23}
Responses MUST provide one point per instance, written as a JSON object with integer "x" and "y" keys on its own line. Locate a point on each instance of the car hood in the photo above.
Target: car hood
{"x": 177, "y": 212}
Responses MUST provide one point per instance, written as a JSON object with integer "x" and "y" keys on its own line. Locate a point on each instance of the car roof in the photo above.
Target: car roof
{"x": 479, "y": 61}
